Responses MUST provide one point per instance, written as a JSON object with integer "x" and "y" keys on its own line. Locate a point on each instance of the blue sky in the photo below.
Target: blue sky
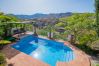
{"x": 46, "y": 6}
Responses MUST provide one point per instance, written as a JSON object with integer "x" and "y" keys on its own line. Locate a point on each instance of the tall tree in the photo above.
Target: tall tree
{"x": 97, "y": 16}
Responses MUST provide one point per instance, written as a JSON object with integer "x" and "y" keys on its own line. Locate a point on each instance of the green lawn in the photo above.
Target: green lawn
{"x": 97, "y": 65}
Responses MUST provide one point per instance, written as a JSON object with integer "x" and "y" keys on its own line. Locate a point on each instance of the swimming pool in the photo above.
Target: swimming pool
{"x": 48, "y": 51}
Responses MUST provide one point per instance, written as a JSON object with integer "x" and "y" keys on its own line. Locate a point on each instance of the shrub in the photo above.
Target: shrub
{"x": 2, "y": 60}
{"x": 85, "y": 48}
{"x": 4, "y": 42}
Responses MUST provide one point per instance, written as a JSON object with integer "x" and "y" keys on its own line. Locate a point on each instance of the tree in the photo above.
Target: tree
{"x": 81, "y": 26}
{"x": 35, "y": 26}
{"x": 1, "y": 13}
{"x": 50, "y": 29}
{"x": 51, "y": 26}
{"x": 4, "y": 20}
{"x": 97, "y": 16}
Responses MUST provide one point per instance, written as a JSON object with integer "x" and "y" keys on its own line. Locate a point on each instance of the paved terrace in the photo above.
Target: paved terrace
{"x": 16, "y": 58}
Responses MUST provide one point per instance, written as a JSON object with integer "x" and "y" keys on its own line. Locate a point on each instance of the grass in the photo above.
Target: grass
{"x": 97, "y": 65}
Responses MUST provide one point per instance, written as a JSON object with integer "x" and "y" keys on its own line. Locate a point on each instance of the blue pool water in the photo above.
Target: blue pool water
{"x": 48, "y": 51}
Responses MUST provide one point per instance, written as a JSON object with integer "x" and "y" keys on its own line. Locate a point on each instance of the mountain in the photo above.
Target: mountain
{"x": 39, "y": 15}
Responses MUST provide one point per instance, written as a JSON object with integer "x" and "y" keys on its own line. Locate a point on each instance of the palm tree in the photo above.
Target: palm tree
{"x": 97, "y": 16}
{"x": 35, "y": 32}
{"x": 50, "y": 28}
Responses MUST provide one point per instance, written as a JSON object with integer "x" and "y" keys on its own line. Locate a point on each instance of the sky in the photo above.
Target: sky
{"x": 29, "y": 7}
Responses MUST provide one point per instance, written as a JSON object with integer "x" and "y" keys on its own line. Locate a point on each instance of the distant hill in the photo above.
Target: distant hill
{"x": 39, "y": 15}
